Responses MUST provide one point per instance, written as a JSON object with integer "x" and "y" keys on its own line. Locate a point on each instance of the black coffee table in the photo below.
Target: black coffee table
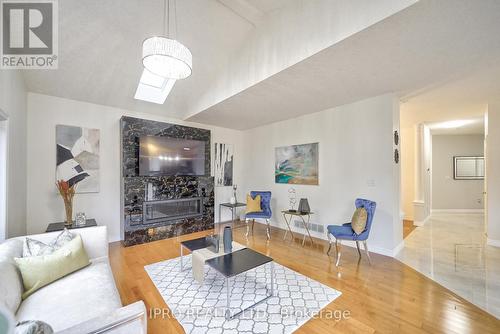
{"x": 193, "y": 245}
{"x": 236, "y": 263}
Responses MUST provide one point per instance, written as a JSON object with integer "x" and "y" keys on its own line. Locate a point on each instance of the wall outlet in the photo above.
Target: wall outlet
{"x": 370, "y": 183}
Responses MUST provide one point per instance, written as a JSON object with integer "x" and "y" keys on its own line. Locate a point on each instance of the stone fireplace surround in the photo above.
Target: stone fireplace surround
{"x": 137, "y": 230}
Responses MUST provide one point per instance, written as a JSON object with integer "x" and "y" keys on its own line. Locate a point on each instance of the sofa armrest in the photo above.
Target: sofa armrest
{"x": 95, "y": 239}
{"x": 130, "y": 319}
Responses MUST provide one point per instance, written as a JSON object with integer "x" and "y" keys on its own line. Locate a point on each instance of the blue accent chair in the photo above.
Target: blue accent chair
{"x": 265, "y": 204}
{"x": 345, "y": 232}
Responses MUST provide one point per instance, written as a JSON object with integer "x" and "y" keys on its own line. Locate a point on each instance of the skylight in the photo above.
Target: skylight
{"x": 153, "y": 88}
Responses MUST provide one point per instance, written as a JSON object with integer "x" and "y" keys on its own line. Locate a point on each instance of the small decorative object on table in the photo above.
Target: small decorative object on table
{"x": 228, "y": 239}
{"x": 213, "y": 243}
{"x": 234, "y": 199}
{"x": 292, "y": 199}
{"x": 304, "y": 206}
{"x": 67, "y": 193}
{"x": 80, "y": 219}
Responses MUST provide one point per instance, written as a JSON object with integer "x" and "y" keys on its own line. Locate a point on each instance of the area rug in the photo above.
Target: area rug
{"x": 201, "y": 308}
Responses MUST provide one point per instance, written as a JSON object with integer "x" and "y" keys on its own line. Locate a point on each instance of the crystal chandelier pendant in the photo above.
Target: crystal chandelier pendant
{"x": 164, "y": 56}
{"x": 167, "y": 58}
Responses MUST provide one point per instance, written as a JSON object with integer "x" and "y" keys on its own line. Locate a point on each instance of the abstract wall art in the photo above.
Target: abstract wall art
{"x": 223, "y": 164}
{"x": 77, "y": 157}
{"x": 297, "y": 164}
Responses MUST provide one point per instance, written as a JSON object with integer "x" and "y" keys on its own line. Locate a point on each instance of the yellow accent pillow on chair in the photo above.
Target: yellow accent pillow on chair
{"x": 253, "y": 204}
{"x": 358, "y": 222}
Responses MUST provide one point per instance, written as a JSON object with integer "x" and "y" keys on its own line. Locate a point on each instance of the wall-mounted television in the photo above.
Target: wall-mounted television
{"x": 165, "y": 156}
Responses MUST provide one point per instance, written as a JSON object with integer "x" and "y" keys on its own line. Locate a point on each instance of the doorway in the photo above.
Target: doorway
{"x": 3, "y": 175}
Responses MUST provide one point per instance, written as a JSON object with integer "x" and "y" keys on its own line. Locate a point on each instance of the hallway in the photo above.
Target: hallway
{"x": 451, "y": 249}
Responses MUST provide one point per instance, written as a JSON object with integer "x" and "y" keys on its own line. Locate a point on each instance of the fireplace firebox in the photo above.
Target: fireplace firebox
{"x": 172, "y": 209}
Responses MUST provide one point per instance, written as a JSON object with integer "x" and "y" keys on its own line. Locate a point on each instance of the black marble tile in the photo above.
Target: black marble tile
{"x": 167, "y": 187}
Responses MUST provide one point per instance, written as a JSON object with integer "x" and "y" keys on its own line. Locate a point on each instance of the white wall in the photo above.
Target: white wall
{"x": 447, "y": 193}
{"x": 356, "y": 160}
{"x": 407, "y": 171}
{"x": 13, "y": 104}
{"x": 493, "y": 174}
{"x": 3, "y": 175}
{"x": 45, "y": 205}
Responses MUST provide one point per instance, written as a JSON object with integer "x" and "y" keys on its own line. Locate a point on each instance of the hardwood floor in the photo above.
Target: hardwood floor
{"x": 387, "y": 297}
{"x": 408, "y": 227}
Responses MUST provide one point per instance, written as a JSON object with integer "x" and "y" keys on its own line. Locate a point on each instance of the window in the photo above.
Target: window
{"x": 468, "y": 168}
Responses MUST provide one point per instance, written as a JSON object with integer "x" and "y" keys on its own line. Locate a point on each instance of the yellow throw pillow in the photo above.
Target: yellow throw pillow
{"x": 359, "y": 219}
{"x": 38, "y": 271}
{"x": 253, "y": 204}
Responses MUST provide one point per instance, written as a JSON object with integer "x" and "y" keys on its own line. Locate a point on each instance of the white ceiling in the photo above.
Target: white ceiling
{"x": 100, "y": 44}
{"x": 268, "y": 5}
{"x": 442, "y": 57}
{"x": 100, "y": 49}
{"x": 424, "y": 45}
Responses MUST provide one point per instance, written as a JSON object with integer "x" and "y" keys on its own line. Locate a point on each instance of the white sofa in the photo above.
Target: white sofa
{"x": 85, "y": 301}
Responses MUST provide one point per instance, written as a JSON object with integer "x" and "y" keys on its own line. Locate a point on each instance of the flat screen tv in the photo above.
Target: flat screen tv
{"x": 165, "y": 156}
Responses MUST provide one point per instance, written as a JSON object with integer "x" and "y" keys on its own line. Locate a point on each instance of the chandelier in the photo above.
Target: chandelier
{"x": 165, "y": 56}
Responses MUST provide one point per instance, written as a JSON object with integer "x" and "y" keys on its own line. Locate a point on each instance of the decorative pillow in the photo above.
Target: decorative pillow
{"x": 64, "y": 237}
{"x": 253, "y": 204}
{"x": 33, "y": 327}
{"x": 38, "y": 271}
{"x": 34, "y": 247}
{"x": 358, "y": 221}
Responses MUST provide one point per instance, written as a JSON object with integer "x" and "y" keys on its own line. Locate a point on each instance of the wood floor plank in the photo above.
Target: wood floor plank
{"x": 387, "y": 297}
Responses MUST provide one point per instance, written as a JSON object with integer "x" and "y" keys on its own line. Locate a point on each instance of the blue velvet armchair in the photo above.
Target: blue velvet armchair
{"x": 345, "y": 231}
{"x": 265, "y": 204}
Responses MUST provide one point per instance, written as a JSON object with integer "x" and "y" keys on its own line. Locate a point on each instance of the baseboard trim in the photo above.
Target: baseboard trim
{"x": 492, "y": 242}
{"x": 323, "y": 236}
{"x": 398, "y": 248}
{"x": 457, "y": 211}
{"x": 421, "y": 223}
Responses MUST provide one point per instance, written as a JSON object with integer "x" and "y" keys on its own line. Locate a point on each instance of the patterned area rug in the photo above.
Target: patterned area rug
{"x": 201, "y": 308}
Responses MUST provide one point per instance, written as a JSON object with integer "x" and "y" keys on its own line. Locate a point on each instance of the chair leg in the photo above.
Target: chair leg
{"x": 338, "y": 246}
{"x": 367, "y": 252}
{"x": 248, "y": 228}
{"x": 253, "y": 223}
{"x": 268, "y": 229}
{"x": 359, "y": 250}
{"x": 329, "y": 244}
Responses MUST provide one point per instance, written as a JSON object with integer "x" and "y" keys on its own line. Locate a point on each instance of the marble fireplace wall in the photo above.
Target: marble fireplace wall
{"x": 135, "y": 231}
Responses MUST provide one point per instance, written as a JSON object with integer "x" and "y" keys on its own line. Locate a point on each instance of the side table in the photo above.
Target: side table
{"x": 233, "y": 208}
{"x": 288, "y": 215}
{"x": 53, "y": 227}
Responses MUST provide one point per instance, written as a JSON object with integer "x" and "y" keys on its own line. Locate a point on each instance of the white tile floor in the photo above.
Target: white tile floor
{"x": 452, "y": 250}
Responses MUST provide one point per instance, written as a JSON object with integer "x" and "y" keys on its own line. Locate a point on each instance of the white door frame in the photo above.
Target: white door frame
{"x": 4, "y": 171}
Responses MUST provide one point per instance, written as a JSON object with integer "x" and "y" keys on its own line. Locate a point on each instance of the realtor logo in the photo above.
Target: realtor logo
{"x": 29, "y": 34}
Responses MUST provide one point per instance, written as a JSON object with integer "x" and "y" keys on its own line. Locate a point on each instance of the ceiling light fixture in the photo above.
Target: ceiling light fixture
{"x": 452, "y": 124}
{"x": 164, "y": 55}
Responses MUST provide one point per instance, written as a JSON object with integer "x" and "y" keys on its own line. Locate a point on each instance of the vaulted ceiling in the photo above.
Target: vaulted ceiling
{"x": 260, "y": 61}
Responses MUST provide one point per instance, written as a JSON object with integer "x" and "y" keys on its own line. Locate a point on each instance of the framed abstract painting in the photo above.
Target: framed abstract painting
{"x": 297, "y": 164}
{"x": 77, "y": 157}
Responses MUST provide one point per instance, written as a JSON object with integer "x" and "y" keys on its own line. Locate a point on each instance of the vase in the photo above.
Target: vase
{"x": 228, "y": 239}
{"x": 68, "y": 207}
